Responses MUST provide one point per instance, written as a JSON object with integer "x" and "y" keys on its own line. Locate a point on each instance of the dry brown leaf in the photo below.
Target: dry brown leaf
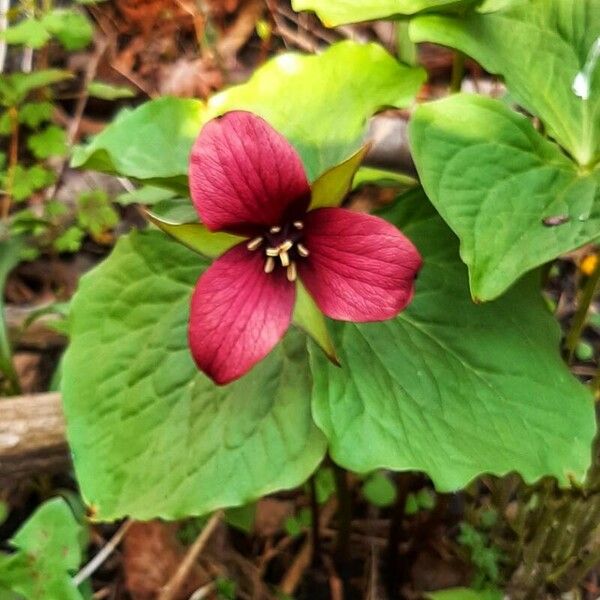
{"x": 151, "y": 555}
{"x": 221, "y": 8}
{"x": 190, "y": 78}
{"x": 152, "y": 15}
{"x": 240, "y": 31}
{"x": 270, "y": 516}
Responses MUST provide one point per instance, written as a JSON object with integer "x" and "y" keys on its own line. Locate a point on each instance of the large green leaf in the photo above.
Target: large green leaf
{"x": 47, "y": 553}
{"x": 321, "y": 103}
{"x": 152, "y": 436}
{"x": 453, "y": 388}
{"x": 539, "y": 46}
{"x": 338, "y": 12}
{"x": 293, "y": 92}
{"x": 465, "y": 594}
{"x": 512, "y": 197}
{"x": 151, "y": 143}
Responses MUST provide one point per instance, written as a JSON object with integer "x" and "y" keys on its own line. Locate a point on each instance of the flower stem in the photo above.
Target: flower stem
{"x": 458, "y": 72}
{"x": 579, "y": 319}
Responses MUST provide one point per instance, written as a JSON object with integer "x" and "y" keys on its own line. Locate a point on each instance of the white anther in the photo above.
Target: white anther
{"x": 272, "y": 252}
{"x": 291, "y": 272}
{"x": 254, "y": 244}
{"x": 298, "y": 224}
{"x": 284, "y": 257}
{"x": 302, "y": 250}
{"x": 287, "y": 245}
{"x": 275, "y": 229}
{"x": 269, "y": 265}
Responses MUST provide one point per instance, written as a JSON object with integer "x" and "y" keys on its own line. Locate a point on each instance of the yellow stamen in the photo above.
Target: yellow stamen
{"x": 291, "y": 272}
{"x": 269, "y": 265}
{"x": 254, "y": 244}
{"x": 284, "y": 258}
{"x": 272, "y": 252}
{"x": 287, "y": 245}
{"x": 302, "y": 250}
{"x": 298, "y": 224}
{"x": 275, "y": 229}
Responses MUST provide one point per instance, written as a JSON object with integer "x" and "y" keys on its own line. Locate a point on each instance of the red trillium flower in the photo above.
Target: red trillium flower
{"x": 246, "y": 179}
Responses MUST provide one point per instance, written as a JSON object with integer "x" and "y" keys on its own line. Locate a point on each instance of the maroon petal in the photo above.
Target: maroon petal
{"x": 238, "y": 314}
{"x": 360, "y": 267}
{"x": 243, "y": 174}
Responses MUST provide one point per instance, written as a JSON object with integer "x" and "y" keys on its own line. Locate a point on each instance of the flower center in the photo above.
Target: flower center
{"x": 282, "y": 246}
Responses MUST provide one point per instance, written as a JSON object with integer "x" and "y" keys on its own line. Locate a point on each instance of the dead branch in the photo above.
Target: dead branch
{"x": 32, "y": 436}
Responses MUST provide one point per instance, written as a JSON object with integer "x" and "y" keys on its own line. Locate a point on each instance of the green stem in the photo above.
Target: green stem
{"x": 10, "y": 251}
{"x": 596, "y": 385}
{"x": 6, "y": 364}
{"x": 458, "y": 72}
{"x": 580, "y": 317}
{"x": 407, "y": 50}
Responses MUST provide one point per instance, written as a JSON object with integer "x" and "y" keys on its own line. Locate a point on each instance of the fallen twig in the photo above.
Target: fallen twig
{"x": 294, "y": 574}
{"x": 169, "y": 591}
{"x": 104, "y": 553}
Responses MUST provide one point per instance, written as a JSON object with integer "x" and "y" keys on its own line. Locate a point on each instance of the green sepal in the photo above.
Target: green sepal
{"x": 333, "y": 185}
{"x": 196, "y": 236}
{"x": 311, "y": 320}
{"x": 383, "y": 178}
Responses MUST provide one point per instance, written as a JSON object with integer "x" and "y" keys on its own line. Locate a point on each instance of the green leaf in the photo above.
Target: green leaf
{"x": 51, "y": 141}
{"x": 175, "y": 210}
{"x": 151, "y": 435}
{"x": 151, "y": 143}
{"x": 27, "y": 181}
{"x": 47, "y": 555}
{"x": 147, "y": 195}
{"x": 70, "y": 27}
{"x": 242, "y": 517}
{"x": 107, "y": 91}
{"x": 308, "y": 317}
{"x": 28, "y": 32}
{"x": 379, "y": 490}
{"x": 10, "y": 256}
{"x": 340, "y": 12}
{"x": 197, "y": 237}
{"x": 512, "y": 197}
{"x": 5, "y": 124}
{"x": 539, "y": 48}
{"x": 95, "y": 212}
{"x": 297, "y": 524}
{"x": 70, "y": 240}
{"x": 465, "y": 594}
{"x": 382, "y": 177}
{"x": 14, "y": 88}
{"x": 33, "y": 114}
{"x": 324, "y": 484}
{"x": 452, "y": 388}
{"x": 332, "y": 187}
{"x": 294, "y": 93}
{"x": 584, "y": 351}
